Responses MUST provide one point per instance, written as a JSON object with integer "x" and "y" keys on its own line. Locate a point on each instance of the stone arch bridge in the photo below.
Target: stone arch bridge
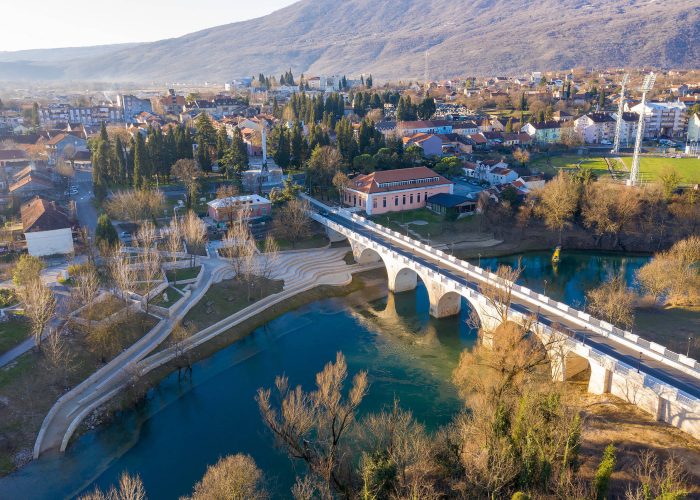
{"x": 663, "y": 383}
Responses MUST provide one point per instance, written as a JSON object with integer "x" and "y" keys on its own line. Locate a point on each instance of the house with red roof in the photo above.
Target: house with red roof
{"x": 395, "y": 190}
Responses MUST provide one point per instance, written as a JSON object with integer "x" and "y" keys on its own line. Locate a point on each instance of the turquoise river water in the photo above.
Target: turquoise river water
{"x": 185, "y": 425}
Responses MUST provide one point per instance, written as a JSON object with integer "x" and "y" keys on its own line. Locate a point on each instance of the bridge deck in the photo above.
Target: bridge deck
{"x": 607, "y": 345}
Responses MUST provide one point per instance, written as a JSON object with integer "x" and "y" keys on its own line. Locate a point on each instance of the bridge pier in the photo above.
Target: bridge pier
{"x": 333, "y": 235}
{"x": 601, "y": 379}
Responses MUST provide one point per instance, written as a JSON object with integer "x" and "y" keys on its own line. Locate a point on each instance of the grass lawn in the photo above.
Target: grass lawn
{"x": 436, "y": 224}
{"x": 651, "y": 167}
{"x": 226, "y": 298}
{"x": 187, "y": 273}
{"x": 552, "y": 164}
{"x": 143, "y": 288}
{"x": 30, "y": 385}
{"x": 103, "y": 309}
{"x": 12, "y": 332}
{"x": 173, "y": 296}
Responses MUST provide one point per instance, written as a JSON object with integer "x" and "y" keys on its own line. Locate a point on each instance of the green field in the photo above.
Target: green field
{"x": 551, "y": 165}
{"x": 651, "y": 167}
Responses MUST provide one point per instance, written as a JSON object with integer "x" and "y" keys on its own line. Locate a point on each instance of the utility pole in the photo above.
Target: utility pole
{"x": 426, "y": 74}
{"x": 620, "y": 110}
{"x": 647, "y": 85}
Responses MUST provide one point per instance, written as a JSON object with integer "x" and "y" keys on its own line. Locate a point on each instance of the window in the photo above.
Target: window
{"x": 418, "y": 198}
{"x": 396, "y": 201}
{"x": 404, "y": 200}
{"x": 374, "y": 203}
{"x": 411, "y": 199}
{"x": 384, "y": 202}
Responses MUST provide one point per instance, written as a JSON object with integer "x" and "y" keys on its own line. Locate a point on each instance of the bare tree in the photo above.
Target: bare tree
{"x": 149, "y": 258}
{"x": 86, "y": 289}
{"x": 238, "y": 244}
{"x": 341, "y": 182}
{"x": 39, "y": 307}
{"x": 174, "y": 243}
{"x": 613, "y": 302}
{"x": 608, "y": 208}
{"x": 658, "y": 479}
{"x": 188, "y": 172}
{"x": 195, "y": 233}
{"x": 57, "y": 355}
{"x": 226, "y": 195}
{"x": 292, "y": 221}
{"x": 122, "y": 272}
{"x": 558, "y": 202}
{"x": 313, "y": 427}
{"x": 179, "y": 337}
{"x": 130, "y": 488}
{"x": 269, "y": 259}
{"x": 234, "y": 477}
{"x": 135, "y": 205}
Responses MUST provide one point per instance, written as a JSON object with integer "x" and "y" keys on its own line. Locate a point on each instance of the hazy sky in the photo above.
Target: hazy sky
{"x": 35, "y": 24}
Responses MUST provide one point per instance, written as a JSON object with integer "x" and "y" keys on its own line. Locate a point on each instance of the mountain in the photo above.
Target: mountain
{"x": 389, "y": 38}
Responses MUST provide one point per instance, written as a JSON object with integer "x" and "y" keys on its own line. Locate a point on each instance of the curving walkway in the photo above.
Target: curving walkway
{"x": 301, "y": 270}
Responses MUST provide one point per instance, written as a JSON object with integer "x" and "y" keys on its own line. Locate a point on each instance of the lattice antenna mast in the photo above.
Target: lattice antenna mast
{"x": 647, "y": 85}
{"x": 620, "y": 110}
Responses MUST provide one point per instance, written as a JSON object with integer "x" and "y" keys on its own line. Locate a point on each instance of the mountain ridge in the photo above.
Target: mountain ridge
{"x": 388, "y": 38}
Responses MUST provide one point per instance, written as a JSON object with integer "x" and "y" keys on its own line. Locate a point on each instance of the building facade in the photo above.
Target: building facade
{"x": 395, "y": 190}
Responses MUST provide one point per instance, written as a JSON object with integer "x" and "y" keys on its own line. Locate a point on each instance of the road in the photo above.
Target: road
{"x": 665, "y": 373}
{"x": 86, "y": 211}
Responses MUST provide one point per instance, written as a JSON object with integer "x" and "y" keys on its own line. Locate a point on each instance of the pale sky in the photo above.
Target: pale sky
{"x": 38, "y": 24}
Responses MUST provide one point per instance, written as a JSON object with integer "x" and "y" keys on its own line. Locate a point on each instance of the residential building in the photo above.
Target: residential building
{"x": 395, "y": 190}
{"x": 501, "y": 175}
{"x": 47, "y": 228}
{"x": 132, "y": 106}
{"x": 30, "y": 181}
{"x": 63, "y": 145}
{"x": 596, "y": 128}
{"x": 429, "y": 143}
{"x": 628, "y": 132}
{"x": 424, "y": 127}
{"x": 465, "y": 128}
{"x": 543, "y": 132}
{"x": 224, "y": 209}
{"x": 55, "y": 114}
{"x": 172, "y": 103}
{"x": 663, "y": 118}
{"x": 562, "y": 116}
{"x": 693, "y": 129}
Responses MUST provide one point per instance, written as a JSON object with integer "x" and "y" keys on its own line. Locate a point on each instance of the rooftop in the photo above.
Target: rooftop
{"x": 43, "y": 215}
{"x": 396, "y": 180}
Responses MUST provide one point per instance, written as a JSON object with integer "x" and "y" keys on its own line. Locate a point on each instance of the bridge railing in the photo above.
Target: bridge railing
{"x": 661, "y": 388}
{"x": 628, "y": 338}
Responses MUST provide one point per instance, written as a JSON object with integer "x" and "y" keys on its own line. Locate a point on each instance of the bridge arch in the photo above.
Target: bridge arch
{"x": 446, "y": 304}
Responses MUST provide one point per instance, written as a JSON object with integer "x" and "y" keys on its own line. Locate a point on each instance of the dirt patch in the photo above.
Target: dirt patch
{"x": 609, "y": 419}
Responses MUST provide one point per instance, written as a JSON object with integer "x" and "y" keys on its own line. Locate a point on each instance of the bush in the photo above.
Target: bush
{"x": 8, "y": 297}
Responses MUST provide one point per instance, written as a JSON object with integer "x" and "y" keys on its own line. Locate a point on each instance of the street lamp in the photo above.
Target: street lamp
{"x": 639, "y": 362}
{"x": 690, "y": 341}
{"x": 545, "y": 287}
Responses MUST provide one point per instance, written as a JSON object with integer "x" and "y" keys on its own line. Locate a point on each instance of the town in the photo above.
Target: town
{"x": 149, "y": 228}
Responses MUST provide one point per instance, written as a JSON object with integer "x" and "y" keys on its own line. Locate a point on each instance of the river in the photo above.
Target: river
{"x": 185, "y": 425}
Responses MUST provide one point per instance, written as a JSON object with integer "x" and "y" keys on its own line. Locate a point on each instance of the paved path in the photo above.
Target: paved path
{"x": 298, "y": 269}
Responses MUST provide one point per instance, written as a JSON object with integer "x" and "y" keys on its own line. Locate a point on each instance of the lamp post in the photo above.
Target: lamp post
{"x": 545, "y": 287}
{"x": 639, "y": 362}
{"x": 690, "y": 341}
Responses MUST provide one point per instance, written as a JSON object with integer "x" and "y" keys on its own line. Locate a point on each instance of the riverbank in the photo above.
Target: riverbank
{"x": 129, "y": 398}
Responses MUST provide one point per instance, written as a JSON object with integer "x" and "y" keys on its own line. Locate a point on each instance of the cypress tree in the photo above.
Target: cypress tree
{"x": 138, "y": 180}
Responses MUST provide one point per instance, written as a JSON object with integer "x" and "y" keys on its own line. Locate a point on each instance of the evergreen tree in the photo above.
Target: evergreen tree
{"x": 105, "y": 232}
{"x": 203, "y": 155}
{"x": 221, "y": 143}
{"x": 140, "y": 160}
{"x": 426, "y": 109}
{"x": 509, "y": 125}
{"x": 35, "y": 115}
{"x": 205, "y": 130}
{"x": 601, "y": 100}
{"x": 298, "y": 146}
{"x": 369, "y": 81}
{"x": 118, "y": 171}
{"x": 280, "y": 139}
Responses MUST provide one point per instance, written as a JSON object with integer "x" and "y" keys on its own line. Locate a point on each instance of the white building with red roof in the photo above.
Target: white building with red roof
{"x": 395, "y": 190}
